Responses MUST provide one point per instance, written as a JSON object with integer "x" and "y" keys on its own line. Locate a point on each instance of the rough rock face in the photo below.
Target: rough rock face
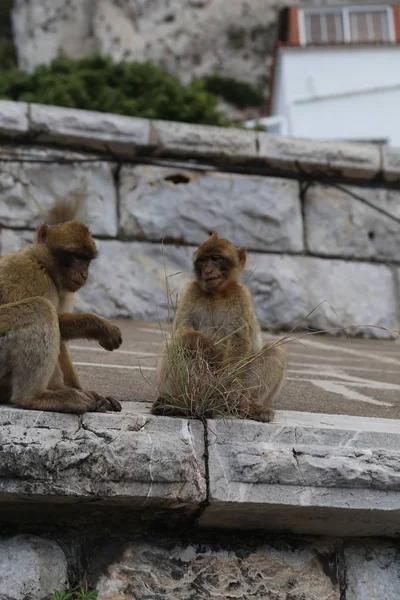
{"x": 260, "y": 213}
{"x": 372, "y": 571}
{"x": 190, "y": 38}
{"x": 144, "y": 569}
{"x": 31, "y": 567}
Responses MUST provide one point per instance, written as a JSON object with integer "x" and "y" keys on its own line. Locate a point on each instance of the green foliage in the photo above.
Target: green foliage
{"x": 128, "y": 88}
{"x": 239, "y": 93}
{"x": 61, "y": 595}
{"x": 77, "y": 594}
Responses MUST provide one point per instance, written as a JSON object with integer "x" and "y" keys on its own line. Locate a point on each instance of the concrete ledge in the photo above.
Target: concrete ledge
{"x": 132, "y": 459}
{"x": 89, "y": 129}
{"x": 13, "y": 118}
{"x": 128, "y": 136}
{"x": 305, "y": 473}
{"x": 320, "y": 157}
{"x": 314, "y": 474}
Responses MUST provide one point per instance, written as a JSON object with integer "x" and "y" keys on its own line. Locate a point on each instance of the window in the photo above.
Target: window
{"x": 348, "y": 24}
{"x": 369, "y": 26}
{"x": 324, "y": 27}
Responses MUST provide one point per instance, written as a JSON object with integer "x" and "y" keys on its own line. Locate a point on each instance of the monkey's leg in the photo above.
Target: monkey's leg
{"x": 70, "y": 375}
{"x": 65, "y": 377}
{"x": 262, "y": 381}
{"x": 29, "y": 349}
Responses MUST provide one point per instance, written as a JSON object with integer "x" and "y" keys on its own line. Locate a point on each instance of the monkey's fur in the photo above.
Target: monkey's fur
{"x": 215, "y": 319}
{"x": 36, "y": 295}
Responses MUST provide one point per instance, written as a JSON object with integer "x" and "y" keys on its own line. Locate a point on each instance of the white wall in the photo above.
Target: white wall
{"x": 339, "y": 93}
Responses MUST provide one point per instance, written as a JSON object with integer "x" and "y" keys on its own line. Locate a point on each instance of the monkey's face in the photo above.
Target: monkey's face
{"x": 74, "y": 268}
{"x": 212, "y": 271}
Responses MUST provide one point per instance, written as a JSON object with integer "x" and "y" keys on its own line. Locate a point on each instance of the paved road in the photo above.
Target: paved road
{"x": 325, "y": 375}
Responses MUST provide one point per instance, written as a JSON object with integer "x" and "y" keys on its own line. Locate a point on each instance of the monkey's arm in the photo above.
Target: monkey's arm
{"x": 70, "y": 375}
{"x": 239, "y": 343}
{"x": 89, "y": 326}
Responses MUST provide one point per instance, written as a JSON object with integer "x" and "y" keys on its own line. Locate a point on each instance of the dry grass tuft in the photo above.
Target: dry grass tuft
{"x": 202, "y": 390}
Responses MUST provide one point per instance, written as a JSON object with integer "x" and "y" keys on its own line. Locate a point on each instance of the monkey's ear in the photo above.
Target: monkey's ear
{"x": 42, "y": 233}
{"x": 242, "y": 256}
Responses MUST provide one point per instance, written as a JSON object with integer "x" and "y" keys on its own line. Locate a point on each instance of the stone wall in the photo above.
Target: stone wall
{"x": 157, "y": 508}
{"x": 309, "y": 242}
{"x": 149, "y": 566}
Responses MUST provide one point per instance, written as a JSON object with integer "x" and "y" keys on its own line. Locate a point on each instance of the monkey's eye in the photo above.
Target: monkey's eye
{"x": 80, "y": 257}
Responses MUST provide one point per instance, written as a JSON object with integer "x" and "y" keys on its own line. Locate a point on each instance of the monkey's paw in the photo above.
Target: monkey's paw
{"x": 112, "y": 338}
{"x": 102, "y": 404}
{"x": 199, "y": 343}
{"x": 264, "y": 415}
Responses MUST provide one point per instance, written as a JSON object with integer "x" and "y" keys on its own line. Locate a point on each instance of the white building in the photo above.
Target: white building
{"x": 336, "y": 74}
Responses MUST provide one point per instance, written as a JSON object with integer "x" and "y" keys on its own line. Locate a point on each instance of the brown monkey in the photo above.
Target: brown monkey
{"x": 36, "y": 292}
{"x": 216, "y": 323}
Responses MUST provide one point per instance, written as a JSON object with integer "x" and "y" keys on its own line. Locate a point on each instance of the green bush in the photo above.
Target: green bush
{"x": 128, "y": 88}
{"x": 239, "y": 93}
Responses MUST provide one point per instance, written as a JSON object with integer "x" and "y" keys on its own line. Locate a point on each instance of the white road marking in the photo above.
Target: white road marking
{"x": 129, "y": 352}
{"x": 362, "y": 353}
{"x": 319, "y": 356}
{"x": 156, "y": 331}
{"x": 312, "y": 365}
{"x": 341, "y": 389}
{"x": 109, "y": 366}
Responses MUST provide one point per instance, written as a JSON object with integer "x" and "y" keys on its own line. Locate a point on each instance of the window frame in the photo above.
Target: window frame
{"x": 345, "y": 12}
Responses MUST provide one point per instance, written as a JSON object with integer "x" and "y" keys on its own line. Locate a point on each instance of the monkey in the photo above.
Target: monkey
{"x": 37, "y": 285}
{"x": 215, "y": 322}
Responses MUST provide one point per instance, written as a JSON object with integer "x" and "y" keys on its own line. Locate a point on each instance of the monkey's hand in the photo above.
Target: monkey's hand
{"x": 110, "y": 337}
{"x": 200, "y": 344}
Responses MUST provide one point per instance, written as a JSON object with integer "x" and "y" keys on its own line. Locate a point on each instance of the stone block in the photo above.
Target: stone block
{"x": 13, "y": 118}
{"x": 128, "y": 279}
{"x": 118, "y": 134}
{"x": 28, "y": 189}
{"x": 391, "y": 163}
{"x": 260, "y": 213}
{"x": 175, "y": 570}
{"x": 305, "y": 479}
{"x": 319, "y": 157}
{"x": 186, "y": 139}
{"x": 340, "y": 225}
{"x": 137, "y": 460}
{"x": 286, "y": 288}
{"x": 31, "y": 567}
{"x": 372, "y": 571}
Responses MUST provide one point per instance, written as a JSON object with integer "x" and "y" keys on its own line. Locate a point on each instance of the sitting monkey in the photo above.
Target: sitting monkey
{"x": 36, "y": 296}
{"x": 215, "y": 325}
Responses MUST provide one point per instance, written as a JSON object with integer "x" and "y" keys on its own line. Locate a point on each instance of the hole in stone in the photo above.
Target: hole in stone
{"x": 177, "y": 178}
{"x": 371, "y": 235}
{"x": 169, "y": 18}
